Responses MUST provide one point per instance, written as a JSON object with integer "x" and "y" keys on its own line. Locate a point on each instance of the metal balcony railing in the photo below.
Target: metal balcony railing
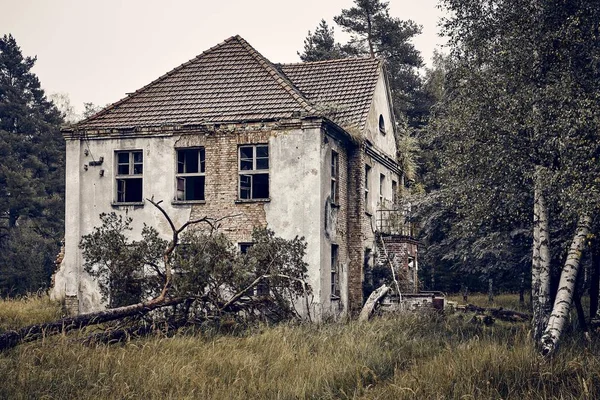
{"x": 396, "y": 221}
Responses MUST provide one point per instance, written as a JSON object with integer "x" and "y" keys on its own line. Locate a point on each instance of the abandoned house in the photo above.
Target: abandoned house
{"x": 306, "y": 149}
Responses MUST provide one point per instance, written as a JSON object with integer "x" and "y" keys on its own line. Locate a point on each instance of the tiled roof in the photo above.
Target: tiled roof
{"x": 232, "y": 82}
{"x": 342, "y": 87}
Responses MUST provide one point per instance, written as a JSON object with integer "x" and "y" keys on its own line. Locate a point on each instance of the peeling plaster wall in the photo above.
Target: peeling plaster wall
{"x": 89, "y": 194}
{"x": 296, "y": 207}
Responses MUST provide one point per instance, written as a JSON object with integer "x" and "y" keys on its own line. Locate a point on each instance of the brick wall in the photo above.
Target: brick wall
{"x": 399, "y": 249}
{"x": 337, "y": 220}
{"x": 356, "y": 216}
{"x": 221, "y": 190}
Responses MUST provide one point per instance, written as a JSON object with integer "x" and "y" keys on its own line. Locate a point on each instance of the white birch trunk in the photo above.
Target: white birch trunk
{"x": 566, "y": 287}
{"x": 540, "y": 269}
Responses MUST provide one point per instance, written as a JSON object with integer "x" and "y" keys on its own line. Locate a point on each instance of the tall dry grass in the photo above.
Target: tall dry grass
{"x": 19, "y": 312}
{"x": 407, "y": 356}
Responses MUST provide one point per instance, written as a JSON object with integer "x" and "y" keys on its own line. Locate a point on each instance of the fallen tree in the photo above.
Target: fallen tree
{"x": 39, "y": 331}
{"x": 206, "y": 279}
{"x": 372, "y": 302}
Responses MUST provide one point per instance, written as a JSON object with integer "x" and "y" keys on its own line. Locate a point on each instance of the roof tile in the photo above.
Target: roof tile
{"x": 233, "y": 82}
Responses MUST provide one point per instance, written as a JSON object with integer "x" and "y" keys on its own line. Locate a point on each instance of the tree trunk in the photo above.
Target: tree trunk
{"x": 490, "y": 290}
{"x": 540, "y": 269}
{"x": 372, "y": 301}
{"x": 34, "y": 332}
{"x": 566, "y": 288}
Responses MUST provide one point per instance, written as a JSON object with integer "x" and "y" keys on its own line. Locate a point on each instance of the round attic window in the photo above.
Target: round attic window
{"x": 381, "y": 124}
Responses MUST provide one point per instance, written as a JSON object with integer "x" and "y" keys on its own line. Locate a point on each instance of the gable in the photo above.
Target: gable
{"x": 344, "y": 86}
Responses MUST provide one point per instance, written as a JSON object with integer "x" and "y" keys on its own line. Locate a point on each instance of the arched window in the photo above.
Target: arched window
{"x": 381, "y": 124}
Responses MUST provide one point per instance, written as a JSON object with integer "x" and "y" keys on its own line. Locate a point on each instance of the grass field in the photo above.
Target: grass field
{"x": 406, "y": 356}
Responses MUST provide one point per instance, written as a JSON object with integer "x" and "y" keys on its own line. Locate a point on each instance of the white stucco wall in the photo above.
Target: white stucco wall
{"x": 295, "y": 206}
{"x": 88, "y": 194}
{"x": 381, "y": 106}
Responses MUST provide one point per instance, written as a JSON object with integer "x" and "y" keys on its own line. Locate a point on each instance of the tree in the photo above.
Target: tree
{"x": 206, "y": 269}
{"x": 519, "y": 122}
{"x": 377, "y": 34}
{"x": 321, "y": 45}
{"x": 31, "y": 172}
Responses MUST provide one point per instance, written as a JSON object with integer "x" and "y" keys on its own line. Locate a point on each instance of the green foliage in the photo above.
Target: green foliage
{"x": 206, "y": 267}
{"x": 321, "y": 45}
{"x": 31, "y": 175}
{"x": 517, "y": 95}
{"x": 118, "y": 263}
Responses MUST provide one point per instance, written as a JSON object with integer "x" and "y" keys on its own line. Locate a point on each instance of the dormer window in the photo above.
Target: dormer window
{"x": 381, "y": 124}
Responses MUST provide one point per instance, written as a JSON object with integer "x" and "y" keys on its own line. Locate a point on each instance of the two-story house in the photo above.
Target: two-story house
{"x": 306, "y": 149}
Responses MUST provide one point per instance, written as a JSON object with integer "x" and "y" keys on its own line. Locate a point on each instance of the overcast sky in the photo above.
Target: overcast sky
{"x": 97, "y": 51}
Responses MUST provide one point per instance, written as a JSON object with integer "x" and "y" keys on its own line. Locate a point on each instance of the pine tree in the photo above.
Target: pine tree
{"x": 31, "y": 175}
{"x": 377, "y": 34}
{"x": 321, "y": 45}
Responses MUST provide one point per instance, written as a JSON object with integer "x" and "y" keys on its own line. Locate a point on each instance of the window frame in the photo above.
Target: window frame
{"x": 201, "y": 154}
{"x": 335, "y": 177}
{"x": 381, "y": 189}
{"x": 335, "y": 275}
{"x": 130, "y": 176}
{"x": 252, "y": 173}
{"x": 367, "y": 173}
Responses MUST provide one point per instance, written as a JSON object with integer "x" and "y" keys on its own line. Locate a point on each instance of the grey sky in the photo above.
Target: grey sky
{"x": 98, "y": 51}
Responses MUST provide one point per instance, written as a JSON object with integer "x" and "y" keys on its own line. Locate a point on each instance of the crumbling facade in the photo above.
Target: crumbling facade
{"x": 305, "y": 149}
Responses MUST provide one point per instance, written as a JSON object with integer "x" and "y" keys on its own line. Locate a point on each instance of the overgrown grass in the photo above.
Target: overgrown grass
{"x": 504, "y": 300}
{"x": 28, "y": 310}
{"x": 405, "y": 356}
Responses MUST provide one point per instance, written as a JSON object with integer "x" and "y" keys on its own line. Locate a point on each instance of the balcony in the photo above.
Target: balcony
{"x": 396, "y": 221}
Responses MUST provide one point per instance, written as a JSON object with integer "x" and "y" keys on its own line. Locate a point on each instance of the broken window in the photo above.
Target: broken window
{"x": 334, "y": 177}
{"x": 190, "y": 175}
{"x": 335, "y": 278}
{"x": 254, "y": 172}
{"x": 129, "y": 177}
{"x": 394, "y": 192}
{"x": 262, "y": 288}
{"x": 244, "y": 247}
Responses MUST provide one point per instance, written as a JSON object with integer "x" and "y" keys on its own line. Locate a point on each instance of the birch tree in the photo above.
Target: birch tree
{"x": 520, "y": 120}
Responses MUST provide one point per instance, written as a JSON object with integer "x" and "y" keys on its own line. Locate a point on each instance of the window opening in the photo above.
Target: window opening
{"x": 129, "y": 177}
{"x": 262, "y": 288}
{"x": 254, "y": 172}
{"x": 381, "y": 124}
{"x": 334, "y": 177}
{"x": 367, "y": 173}
{"x": 394, "y": 192}
{"x": 335, "y": 278}
{"x": 191, "y": 169}
{"x": 381, "y": 188}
